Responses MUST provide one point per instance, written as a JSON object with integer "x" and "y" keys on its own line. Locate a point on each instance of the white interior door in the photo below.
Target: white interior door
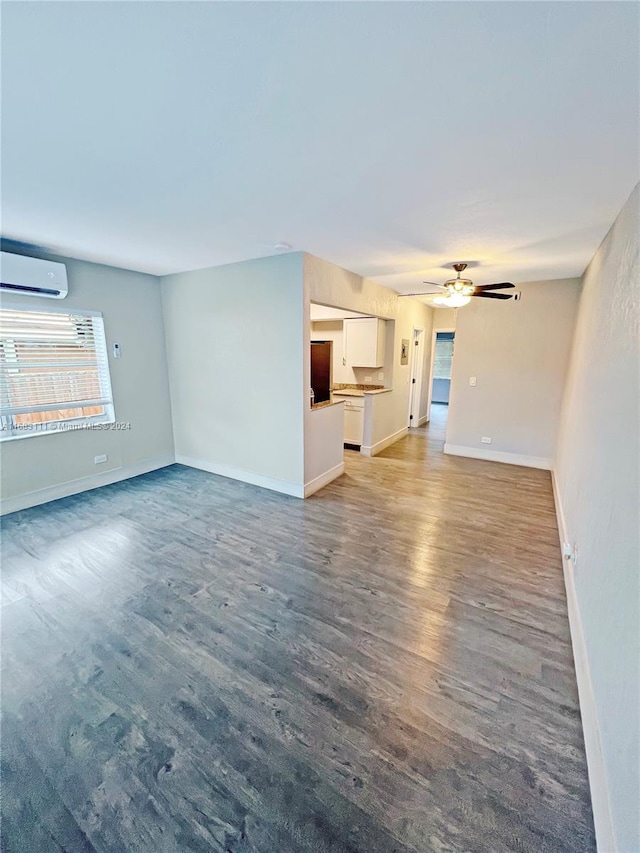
{"x": 415, "y": 391}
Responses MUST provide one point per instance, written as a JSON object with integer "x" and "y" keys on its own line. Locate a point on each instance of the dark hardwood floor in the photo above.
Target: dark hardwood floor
{"x": 194, "y": 664}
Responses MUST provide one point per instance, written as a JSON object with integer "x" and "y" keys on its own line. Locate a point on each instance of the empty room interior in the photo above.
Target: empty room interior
{"x": 320, "y": 427}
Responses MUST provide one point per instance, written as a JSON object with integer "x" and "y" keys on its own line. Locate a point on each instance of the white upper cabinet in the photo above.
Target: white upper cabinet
{"x": 364, "y": 340}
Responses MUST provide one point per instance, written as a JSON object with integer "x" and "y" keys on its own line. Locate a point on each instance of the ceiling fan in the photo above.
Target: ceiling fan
{"x": 460, "y": 290}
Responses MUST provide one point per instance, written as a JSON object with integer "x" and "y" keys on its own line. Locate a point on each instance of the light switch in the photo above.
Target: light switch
{"x": 472, "y": 381}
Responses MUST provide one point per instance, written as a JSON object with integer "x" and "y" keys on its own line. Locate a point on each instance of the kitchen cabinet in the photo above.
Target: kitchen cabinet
{"x": 364, "y": 342}
{"x": 353, "y": 419}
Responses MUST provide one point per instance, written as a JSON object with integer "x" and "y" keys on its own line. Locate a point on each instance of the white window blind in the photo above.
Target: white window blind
{"x": 54, "y": 372}
{"x": 443, "y": 356}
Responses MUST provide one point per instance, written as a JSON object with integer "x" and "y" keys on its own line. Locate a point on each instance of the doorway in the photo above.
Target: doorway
{"x": 442, "y": 363}
{"x": 415, "y": 392}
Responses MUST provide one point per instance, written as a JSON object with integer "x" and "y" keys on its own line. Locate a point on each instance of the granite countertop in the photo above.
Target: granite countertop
{"x": 343, "y": 390}
{"x": 325, "y": 403}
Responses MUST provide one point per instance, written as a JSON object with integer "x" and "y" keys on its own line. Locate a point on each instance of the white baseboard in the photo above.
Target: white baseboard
{"x": 376, "y": 448}
{"x": 499, "y": 456}
{"x": 83, "y": 484}
{"x": 319, "y": 482}
{"x": 600, "y": 805}
{"x": 423, "y": 420}
{"x": 283, "y": 486}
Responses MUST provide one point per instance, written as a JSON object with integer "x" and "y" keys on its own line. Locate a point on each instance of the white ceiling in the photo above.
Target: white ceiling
{"x": 390, "y": 138}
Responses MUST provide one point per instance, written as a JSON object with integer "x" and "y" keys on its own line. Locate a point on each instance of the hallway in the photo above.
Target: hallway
{"x": 436, "y": 429}
{"x": 193, "y": 663}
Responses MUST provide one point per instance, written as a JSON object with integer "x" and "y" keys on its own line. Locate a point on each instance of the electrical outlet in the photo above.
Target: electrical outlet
{"x": 486, "y": 439}
{"x": 570, "y": 552}
{"x": 473, "y": 381}
{"x": 380, "y": 376}
{"x": 368, "y": 378}
{"x": 98, "y": 459}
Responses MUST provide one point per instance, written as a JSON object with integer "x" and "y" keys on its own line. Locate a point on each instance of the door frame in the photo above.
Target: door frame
{"x": 433, "y": 358}
{"x": 416, "y": 372}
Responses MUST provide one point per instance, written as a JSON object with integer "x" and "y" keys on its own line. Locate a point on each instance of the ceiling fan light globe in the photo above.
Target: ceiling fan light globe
{"x": 453, "y": 300}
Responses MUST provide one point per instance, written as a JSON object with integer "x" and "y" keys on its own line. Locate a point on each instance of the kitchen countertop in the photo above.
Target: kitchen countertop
{"x": 357, "y": 392}
{"x": 325, "y": 403}
{"x": 342, "y": 391}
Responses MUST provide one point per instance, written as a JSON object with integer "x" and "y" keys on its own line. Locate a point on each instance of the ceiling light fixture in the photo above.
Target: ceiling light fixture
{"x": 458, "y": 291}
{"x": 452, "y": 300}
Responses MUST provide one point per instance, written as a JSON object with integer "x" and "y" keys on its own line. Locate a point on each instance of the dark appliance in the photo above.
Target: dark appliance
{"x": 321, "y": 370}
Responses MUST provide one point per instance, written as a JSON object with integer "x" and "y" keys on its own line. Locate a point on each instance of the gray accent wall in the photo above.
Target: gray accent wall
{"x": 39, "y": 468}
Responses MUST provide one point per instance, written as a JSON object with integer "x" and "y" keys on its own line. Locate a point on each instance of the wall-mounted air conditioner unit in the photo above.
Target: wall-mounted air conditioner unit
{"x": 32, "y": 276}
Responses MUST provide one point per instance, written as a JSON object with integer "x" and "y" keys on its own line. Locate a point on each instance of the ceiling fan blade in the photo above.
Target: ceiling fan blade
{"x": 494, "y": 295}
{"x": 435, "y": 284}
{"x": 502, "y": 285}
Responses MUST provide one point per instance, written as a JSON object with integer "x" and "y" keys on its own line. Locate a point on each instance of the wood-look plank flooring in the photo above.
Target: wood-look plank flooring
{"x": 195, "y": 664}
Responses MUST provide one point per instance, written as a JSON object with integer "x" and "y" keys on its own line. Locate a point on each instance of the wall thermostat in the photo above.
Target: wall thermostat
{"x": 116, "y": 351}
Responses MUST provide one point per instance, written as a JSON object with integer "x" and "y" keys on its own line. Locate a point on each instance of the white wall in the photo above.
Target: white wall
{"x": 381, "y": 423}
{"x": 519, "y": 354}
{"x": 46, "y": 467}
{"x": 323, "y": 443}
{"x": 597, "y": 472}
{"x": 235, "y": 355}
{"x": 444, "y": 319}
{"x": 329, "y": 284}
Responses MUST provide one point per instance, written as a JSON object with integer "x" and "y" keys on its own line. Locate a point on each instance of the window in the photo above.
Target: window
{"x": 443, "y": 355}
{"x": 54, "y": 372}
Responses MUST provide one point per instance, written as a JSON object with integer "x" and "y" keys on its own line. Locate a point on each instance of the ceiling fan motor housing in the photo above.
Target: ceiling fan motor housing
{"x": 459, "y": 285}
{"x": 463, "y": 286}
